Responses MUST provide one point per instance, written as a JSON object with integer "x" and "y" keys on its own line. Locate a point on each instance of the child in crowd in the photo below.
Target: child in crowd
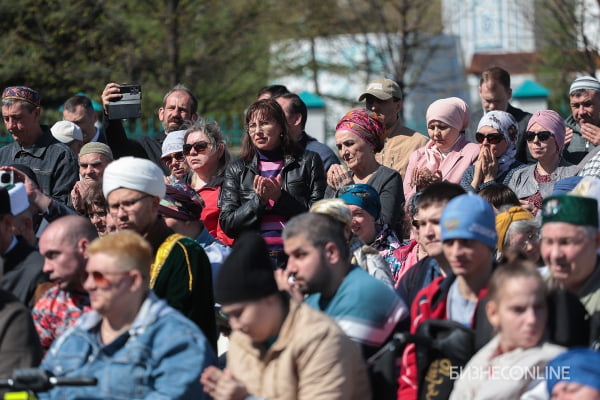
{"x": 512, "y": 364}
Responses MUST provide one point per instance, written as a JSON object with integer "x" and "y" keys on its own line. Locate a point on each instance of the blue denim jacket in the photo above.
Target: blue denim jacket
{"x": 160, "y": 357}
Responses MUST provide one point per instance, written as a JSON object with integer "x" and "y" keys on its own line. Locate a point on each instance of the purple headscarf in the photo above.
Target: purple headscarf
{"x": 551, "y": 121}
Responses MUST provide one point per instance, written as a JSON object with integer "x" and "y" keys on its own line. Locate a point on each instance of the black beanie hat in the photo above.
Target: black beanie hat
{"x": 247, "y": 273}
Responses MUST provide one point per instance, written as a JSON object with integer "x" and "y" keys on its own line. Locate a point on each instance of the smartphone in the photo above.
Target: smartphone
{"x": 129, "y": 105}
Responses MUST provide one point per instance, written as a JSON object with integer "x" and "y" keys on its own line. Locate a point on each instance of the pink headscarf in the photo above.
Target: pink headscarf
{"x": 551, "y": 121}
{"x": 365, "y": 124}
{"x": 451, "y": 111}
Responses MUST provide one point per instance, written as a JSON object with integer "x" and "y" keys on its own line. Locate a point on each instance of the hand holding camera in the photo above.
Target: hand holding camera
{"x": 122, "y": 101}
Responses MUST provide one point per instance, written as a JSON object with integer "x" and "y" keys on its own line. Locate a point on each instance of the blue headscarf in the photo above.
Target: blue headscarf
{"x": 361, "y": 195}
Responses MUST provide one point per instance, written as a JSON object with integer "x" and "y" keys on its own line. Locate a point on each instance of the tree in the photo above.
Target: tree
{"x": 567, "y": 42}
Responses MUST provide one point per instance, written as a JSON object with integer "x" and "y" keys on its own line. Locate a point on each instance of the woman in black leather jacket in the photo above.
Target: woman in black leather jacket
{"x": 273, "y": 180}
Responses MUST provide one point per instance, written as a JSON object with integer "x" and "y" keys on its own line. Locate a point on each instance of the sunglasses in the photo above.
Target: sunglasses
{"x": 199, "y": 147}
{"x": 168, "y": 160}
{"x": 543, "y": 136}
{"x": 100, "y": 278}
{"x": 492, "y": 138}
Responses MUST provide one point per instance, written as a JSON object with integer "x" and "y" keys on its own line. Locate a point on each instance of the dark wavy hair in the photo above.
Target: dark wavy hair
{"x": 269, "y": 109}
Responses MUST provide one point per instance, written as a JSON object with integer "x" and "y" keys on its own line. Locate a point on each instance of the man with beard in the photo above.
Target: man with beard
{"x": 179, "y": 105}
{"x": 319, "y": 265}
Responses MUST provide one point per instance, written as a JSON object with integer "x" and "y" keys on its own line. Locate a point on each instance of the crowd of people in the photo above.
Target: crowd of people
{"x": 459, "y": 264}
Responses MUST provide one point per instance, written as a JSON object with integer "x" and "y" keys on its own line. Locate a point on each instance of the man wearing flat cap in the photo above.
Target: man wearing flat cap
{"x": 53, "y": 163}
{"x": 570, "y": 241}
{"x": 94, "y": 157}
{"x": 384, "y": 97}
{"x": 279, "y": 348}
{"x": 181, "y": 273}
{"x": 583, "y": 125}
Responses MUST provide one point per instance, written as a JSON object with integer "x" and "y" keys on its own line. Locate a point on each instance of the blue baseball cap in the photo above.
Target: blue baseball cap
{"x": 578, "y": 365}
{"x": 469, "y": 216}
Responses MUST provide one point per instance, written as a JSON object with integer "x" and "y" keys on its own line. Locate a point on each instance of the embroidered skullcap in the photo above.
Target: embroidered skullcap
{"x": 361, "y": 195}
{"x": 173, "y": 143}
{"x": 383, "y": 89}
{"x": 181, "y": 202}
{"x": 550, "y": 120}
{"x": 501, "y": 121}
{"x": 98, "y": 148}
{"x": 136, "y": 174}
{"x": 21, "y": 93}
{"x": 19, "y": 201}
{"x": 504, "y": 219}
{"x": 366, "y": 125}
{"x": 584, "y": 82}
{"x": 577, "y": 365}
{"x": 576, "y": 210}
{"x": 247, "y": 273}
{"x": 469, "y": 216}
{"x": 452, "y": 111}
{"x": 335, "y": 208}
{"x": 66, "y": 132}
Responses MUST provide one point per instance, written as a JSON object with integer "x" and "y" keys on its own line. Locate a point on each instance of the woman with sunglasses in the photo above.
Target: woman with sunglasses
{"x": 497, "y": 133}
{"x": 273, "y": 180}
{"x": 545, "y": 137}
{"x": 207, "y": 155}
{"x": 447, "y": 154}
{"x": 172, "y": 157}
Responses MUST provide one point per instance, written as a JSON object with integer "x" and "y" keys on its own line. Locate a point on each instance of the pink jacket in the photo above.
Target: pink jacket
{"x": 452, "y": 167}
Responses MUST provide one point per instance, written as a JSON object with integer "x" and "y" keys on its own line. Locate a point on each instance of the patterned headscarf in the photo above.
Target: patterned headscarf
{"x": 21, "y": 93}
{"x": 504, "y": 123}
{"x": 181, "y": 202}
{"x": 366, "y": 125}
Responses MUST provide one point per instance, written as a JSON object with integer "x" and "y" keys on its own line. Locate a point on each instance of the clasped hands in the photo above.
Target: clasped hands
{"x": 267, "y": 188}
{"x": 338, "y": 177}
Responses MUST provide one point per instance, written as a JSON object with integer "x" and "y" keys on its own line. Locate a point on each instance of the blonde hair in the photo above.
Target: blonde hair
{"x": 131, "y": 250}
{"x": 335, "y": 208}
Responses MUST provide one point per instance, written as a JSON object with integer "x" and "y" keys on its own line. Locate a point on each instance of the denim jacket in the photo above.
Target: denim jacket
{"x": 160, "y": 357}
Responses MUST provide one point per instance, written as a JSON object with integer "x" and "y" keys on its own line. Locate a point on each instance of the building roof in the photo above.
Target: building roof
{"x": 514, "y": 63}
{"x": 530, "y": 89}
{"x": 311, "y": 100}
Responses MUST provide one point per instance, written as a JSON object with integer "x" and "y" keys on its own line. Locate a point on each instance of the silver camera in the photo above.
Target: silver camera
{"x": 129, "y": 105}
{"x": 6, "y": 178}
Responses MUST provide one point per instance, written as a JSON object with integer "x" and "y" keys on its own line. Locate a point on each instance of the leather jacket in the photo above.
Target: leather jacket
{"x": 303, "y": 183}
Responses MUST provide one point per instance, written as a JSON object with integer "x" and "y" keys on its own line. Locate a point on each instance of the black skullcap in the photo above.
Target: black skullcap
{"x": 247, "y": 273}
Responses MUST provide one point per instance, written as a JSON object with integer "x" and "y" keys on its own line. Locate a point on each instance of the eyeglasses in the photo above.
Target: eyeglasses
{"x": 492, "y": 138}
{"x": 199, "y": 147}
{"x": 543, "y": 135}
{"x": 168, "y": 160}
{"x": 126, "y": 205}
{"x": 100, "y": 277}
{"x": 532, "y": 239}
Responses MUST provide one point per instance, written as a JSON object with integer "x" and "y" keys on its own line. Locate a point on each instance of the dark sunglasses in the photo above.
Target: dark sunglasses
{"x": 543, "y": 135}
{"x": 100, "y": 278}
{"x": 168, "y": 160}
{"x": 492, "y": 138}
{"x": 199, "y": 147}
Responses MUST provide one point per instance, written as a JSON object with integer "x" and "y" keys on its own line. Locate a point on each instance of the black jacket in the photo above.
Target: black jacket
{"x": 303, "y": 183}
